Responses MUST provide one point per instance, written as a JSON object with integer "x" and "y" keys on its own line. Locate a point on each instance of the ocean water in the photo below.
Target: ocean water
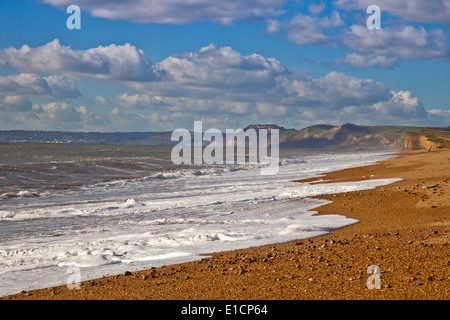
{"x": 108, "y": 209}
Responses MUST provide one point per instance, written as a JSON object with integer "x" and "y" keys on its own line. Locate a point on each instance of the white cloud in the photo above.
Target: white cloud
{"x": 130, "y": 120}
{"x": 221, "y": 68}
{"x": 334, "y": 90}
{"x": 429, "y": 11}
{"x": 360, "y": 61}
{"x": 24, "y": 83}
{"x": 139, "y": 101}
{"x": 62, "y": 116}
{"x": 15, "y": 103}
{"x": 385, "y": 46}
{"x": 366, "y": 48}
{"x": 212, "y": 78}
{"x": 236, "y": 108}
{"x": 441, "y": 113}
{"x": 294, "y": 96}
{"x": 214, "y": 83}
{"x": 316, "y": 8}
{"x": 402, "y": 108}
{"x": 388, "y": 46}
{"x": 113, "y": 62}
{"x": 100, "y": 100}
{"x": 33, "y": 84}
{"x": 176, "y": 11}
{"x": 402, "y": 105}
{"x": 62, "y": 87}
{"x": 438, "y": 117}
{"x": 56, "y": 112}
{"x": 305, "y": 29}
{"x": 273, "y": 26}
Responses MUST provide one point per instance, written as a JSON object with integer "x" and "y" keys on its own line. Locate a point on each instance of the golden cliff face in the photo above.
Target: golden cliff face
{"x": 427, "y": 139}
{"x": 415, "y": 141}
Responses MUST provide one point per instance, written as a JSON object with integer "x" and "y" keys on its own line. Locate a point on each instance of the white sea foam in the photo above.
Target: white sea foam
{"x": 107, "y": 228}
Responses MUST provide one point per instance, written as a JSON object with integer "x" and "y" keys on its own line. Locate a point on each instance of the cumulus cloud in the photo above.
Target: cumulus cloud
{"x": 211, "y": 83}
{"x": 113, "y": 62}
{"x": 402, "y": 104}
{"x": 222, "y": 81}
{"x": 24, "y": 83}
{"x": 316, "y": 8}
{"x": 360, "y": 61}
{"x": 213, "y": 78}
{"x": 213, "y": 73}
{"x": 176, "y": 11}
{"x": 285, "y": 94}
{"x": 440, "y": 113}
{"x": 366, "y": 48}
{"x": 139, "y": 101}
{"x": 100, "y": 100}
{"x": 430, "y": 11}
{"x": 391, "y": 43}
{"x": 401, "y": 108}
{"x": 334, "y": 90}
{"x": 439, "y": 117}
{"x": 57, "y": 116}
{"x": 222, "y": 68}
{"x": 16, "y": 89}
{"x": 15, "y": 103}
{"x": 126, "y": 120}
{"x": 62, "y": 87}
{"x": 305, "y": 29}
{"x": 56, "y": 112}
{"x": 33, "y": 84}
{"x": 385, "y": 46}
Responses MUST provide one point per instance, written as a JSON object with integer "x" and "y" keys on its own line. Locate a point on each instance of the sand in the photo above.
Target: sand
{"x": 403, "y": 233}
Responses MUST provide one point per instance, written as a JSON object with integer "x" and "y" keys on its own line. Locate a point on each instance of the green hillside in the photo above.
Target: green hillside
{"x": 390, "y": 132}
{"x": 318, "y": 128}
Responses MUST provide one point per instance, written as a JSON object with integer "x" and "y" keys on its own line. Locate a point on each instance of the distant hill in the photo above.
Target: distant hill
{"x": 120, "y": 138}
{"x": 345, "y": 137}
{"x": 321, "y": 136}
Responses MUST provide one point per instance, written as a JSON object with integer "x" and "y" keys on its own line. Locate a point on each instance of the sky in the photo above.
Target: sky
{"x": 159, "y": 65}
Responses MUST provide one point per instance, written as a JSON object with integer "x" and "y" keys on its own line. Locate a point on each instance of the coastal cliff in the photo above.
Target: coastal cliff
{"x": 343, "y": 137}
{"x": 322, "y": 136}
{"x": 427, "y": 139}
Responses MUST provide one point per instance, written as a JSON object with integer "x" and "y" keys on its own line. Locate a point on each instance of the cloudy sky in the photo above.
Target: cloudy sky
{"x": 152, "y": 65}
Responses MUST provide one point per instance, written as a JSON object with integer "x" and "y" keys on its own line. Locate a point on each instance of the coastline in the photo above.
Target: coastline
{"x": 403, "y": 229}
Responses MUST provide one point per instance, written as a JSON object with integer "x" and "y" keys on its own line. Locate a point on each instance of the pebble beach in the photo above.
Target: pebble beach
{"x": 403, "y": 233}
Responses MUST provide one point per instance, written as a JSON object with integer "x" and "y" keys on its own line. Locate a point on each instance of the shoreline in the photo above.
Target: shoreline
{"x": 407, "y": 238}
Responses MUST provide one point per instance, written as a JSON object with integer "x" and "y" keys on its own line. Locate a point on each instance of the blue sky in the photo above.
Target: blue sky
{"x": 143, "y": 65}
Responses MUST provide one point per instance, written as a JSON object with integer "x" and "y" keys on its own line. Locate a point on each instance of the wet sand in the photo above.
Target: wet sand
{"x": 404, "y": 231}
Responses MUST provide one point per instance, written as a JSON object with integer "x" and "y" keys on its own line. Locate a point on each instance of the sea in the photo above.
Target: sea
{"x": 106, "y": 209}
